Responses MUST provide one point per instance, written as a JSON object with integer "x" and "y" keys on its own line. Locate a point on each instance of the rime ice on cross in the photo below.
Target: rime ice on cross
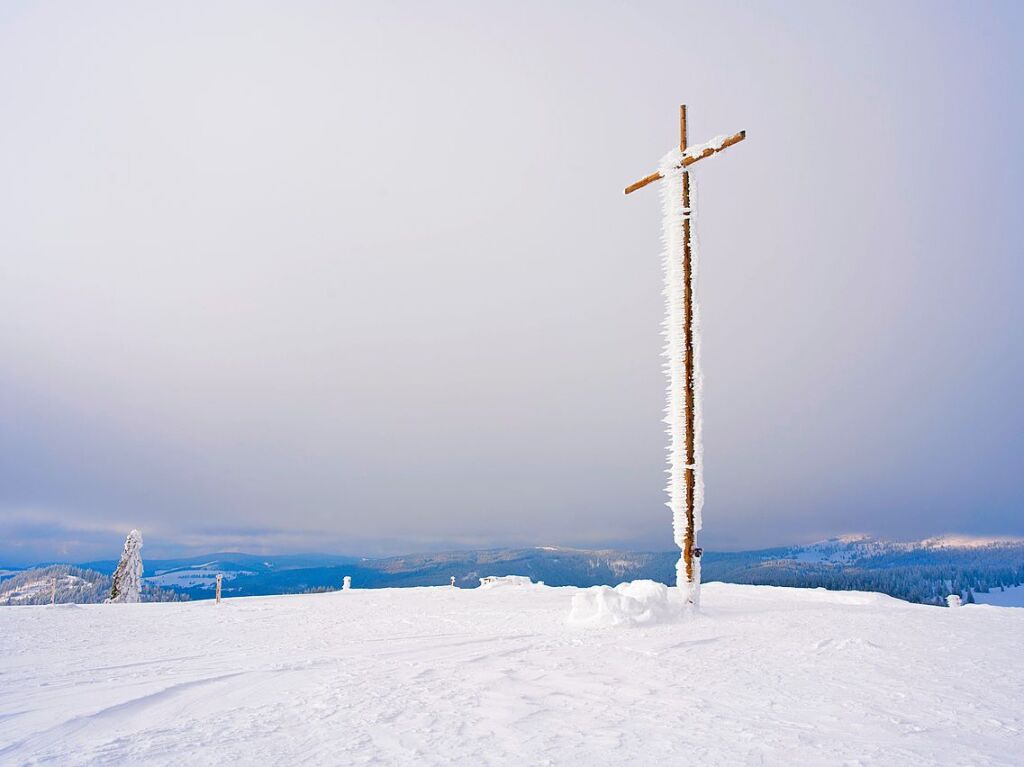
{"x": 686, "y": 470}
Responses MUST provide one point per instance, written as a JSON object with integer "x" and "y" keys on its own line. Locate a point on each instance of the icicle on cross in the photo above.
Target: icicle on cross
{"x": 682, "y": 351}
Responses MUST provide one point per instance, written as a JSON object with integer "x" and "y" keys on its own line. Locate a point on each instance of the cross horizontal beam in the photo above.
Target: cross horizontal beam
{"x": 688, "y": 161}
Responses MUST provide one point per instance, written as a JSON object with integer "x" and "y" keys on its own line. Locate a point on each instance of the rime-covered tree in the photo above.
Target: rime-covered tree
{"x": 126, "y": 584}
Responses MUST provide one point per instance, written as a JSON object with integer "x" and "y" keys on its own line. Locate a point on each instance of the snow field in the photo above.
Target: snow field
{"x": 432, "y": 676}
{"x": 1011, "y": 596}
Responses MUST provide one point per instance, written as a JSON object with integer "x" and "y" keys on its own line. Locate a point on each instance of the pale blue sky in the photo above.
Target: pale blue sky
{"x": 361, "y": 278}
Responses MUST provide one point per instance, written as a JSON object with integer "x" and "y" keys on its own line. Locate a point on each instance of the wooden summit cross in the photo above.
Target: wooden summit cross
{"x": 690, "y": 551}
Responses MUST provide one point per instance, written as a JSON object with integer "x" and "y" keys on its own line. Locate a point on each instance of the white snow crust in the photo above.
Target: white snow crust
{"x": 1011, "y": 596}
{"x": 442, "y": 676}
{"x": 674, "y": 353}
{"x": 637, "y": 603}
{"x": 506, "y": 581}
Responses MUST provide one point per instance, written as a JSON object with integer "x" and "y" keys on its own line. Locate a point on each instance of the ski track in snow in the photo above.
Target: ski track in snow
{"x": 431, "y": 676}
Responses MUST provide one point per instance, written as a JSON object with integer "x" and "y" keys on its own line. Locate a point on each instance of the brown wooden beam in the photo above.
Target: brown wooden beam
{"x": 689, "y": 540}
{"x": 688, "y": 161}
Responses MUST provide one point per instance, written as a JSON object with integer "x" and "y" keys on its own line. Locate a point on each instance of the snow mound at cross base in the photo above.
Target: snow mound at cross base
{"x": 637, "y": 603}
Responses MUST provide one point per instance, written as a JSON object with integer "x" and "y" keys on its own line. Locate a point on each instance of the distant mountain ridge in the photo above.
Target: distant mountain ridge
{"x": 923, "y": 571}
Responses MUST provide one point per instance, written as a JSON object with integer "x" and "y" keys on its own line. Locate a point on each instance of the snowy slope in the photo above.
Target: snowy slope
{"x": 36, "y": 587}
{"x": 196, "y": 576}
{"x": 42, "y": 588}
{"x": 1011, "y": 596}
{"x": 493, "y": 677}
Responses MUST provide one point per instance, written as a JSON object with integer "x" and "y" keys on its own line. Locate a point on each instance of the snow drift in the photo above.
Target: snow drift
{"x": 638, "y": 603}
{"x": 507, "y": 581}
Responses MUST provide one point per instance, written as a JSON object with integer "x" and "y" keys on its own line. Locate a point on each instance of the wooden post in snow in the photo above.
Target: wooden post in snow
{"x": 690, "y": 551}
{"x": 688, "y": 333}
{"x": 220, "y": 578}
{"x": 53, "y": 591}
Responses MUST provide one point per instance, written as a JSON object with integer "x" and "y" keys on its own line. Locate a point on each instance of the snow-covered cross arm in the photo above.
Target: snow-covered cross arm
{"x": 682, "y": 351}
{"x": 690, "y": 156}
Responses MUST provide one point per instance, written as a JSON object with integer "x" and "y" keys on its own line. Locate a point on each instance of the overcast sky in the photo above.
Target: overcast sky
{"x": 360, "y": 277}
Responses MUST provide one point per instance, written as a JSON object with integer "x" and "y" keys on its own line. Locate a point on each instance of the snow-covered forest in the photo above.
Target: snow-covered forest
{"x": 922, "y": 571}
{"x": 74, "y": 585}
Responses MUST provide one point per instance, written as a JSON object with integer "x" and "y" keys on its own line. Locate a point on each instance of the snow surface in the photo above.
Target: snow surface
{"x": 1012, "y": 596}
{"x": 507, "y": 581}
{"x": 431, "y": 676}
{"x": 638, "y": 603}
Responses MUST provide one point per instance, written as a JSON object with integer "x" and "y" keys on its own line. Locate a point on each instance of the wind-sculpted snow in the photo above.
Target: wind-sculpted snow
{"x": 637, "y": 603}
{"x": 490, "y": 582}
{"x": 432, "y": 676}
{"x": 675, "y": 353}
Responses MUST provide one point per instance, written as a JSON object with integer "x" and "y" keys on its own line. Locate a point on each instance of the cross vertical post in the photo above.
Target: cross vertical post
{"x": 688, "y": 546}
{"x": 686, "y": 485}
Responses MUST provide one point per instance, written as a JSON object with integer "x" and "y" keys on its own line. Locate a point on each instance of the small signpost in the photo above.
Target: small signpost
{"x": 220, "y": 578}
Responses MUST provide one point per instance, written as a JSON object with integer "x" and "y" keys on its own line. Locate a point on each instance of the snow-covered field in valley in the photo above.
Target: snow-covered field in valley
{"x": 1012, "y": 596}
{"x": 496, "y": 677}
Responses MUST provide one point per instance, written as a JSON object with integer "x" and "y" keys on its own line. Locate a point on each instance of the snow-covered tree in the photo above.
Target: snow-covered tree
{"x": 126, "y": 584}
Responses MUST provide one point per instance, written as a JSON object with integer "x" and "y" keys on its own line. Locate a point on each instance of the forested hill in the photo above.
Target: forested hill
{"x": 66, "y": 584}
{"x": 920, "y": 571}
